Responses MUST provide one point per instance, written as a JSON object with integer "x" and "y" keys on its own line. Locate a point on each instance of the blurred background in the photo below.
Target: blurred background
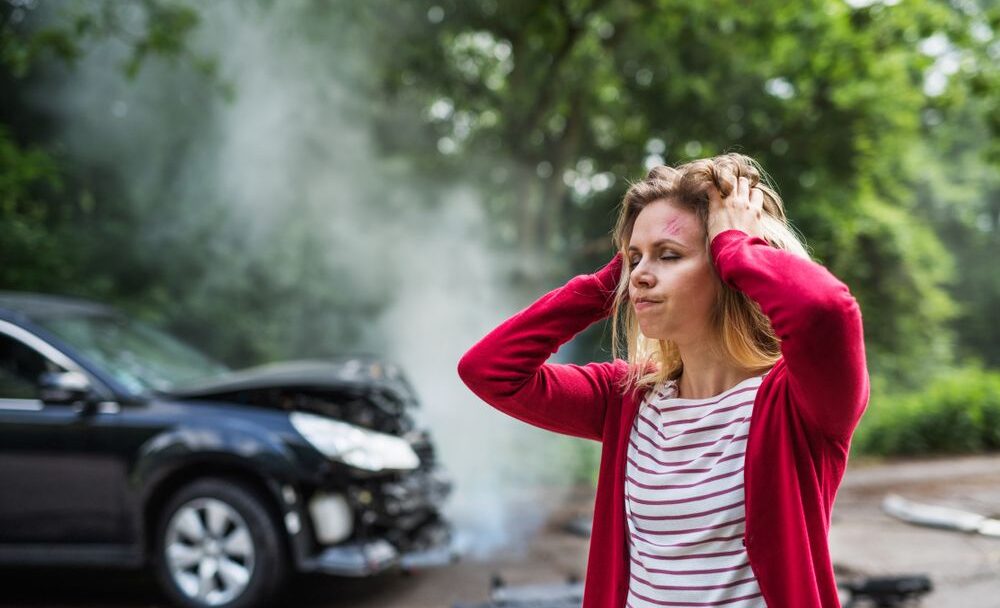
{"x": 273, "y": 180}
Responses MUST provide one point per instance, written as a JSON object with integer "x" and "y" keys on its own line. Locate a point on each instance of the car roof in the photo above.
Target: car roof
{"x": 40, "y": 305}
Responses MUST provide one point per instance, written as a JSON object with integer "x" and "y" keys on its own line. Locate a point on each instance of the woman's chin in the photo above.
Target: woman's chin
{"x": 651, "y": 332}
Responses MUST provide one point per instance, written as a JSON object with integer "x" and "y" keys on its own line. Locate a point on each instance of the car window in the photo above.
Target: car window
{"x": 140, "y": 357}
{"x": 20, "y": 368}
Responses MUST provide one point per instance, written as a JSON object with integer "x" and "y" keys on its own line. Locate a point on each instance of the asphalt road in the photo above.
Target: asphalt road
{"x": 965, "y": 569}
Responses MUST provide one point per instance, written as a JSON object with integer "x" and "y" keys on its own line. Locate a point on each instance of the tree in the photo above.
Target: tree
{"x": 576, "y": 95}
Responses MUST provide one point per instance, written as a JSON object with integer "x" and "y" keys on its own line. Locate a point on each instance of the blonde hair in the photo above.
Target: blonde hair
{"x": 743, "y": 334}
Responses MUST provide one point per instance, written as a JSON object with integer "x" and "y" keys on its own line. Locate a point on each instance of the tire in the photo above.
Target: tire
{"x": 217, "y": 545}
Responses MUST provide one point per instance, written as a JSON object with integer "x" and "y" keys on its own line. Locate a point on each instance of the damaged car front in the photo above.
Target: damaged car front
{"x": 130, "y": 448}
{"x": 377, "y": 491}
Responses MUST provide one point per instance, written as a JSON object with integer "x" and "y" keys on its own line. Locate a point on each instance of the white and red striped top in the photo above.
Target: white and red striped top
{"x": 684, "y": 500}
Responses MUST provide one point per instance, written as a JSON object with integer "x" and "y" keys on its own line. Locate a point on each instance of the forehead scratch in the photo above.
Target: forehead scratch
{"x": 672, "y": 227}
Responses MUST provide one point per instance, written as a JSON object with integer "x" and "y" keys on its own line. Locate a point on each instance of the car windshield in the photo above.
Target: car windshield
{"x": 143, "y": 359}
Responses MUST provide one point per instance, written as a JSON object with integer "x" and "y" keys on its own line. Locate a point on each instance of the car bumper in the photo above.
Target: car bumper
{"x": 368, "y": 557}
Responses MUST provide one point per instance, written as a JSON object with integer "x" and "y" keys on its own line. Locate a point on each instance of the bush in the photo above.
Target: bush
{"x": 958, "y": 413}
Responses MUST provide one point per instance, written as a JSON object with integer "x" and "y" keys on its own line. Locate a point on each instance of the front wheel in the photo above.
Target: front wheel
{"x": 218, "y": 546}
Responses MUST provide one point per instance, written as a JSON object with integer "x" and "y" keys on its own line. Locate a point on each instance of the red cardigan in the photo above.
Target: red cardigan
{"x": 804, "y": 414}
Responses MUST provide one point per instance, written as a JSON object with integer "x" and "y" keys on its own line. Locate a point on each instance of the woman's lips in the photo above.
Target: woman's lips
{"x": 644, "y": 305}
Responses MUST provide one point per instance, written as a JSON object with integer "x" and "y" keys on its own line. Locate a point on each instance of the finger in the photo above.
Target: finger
{"x": 756, "y": 198}
{"x": 714, "y": 195}
{"x": 745, "y": 189}
{"x": 730, "y": 183}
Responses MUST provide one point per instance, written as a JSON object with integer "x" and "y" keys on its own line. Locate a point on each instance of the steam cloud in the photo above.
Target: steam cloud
{"x": 290, "y": 158}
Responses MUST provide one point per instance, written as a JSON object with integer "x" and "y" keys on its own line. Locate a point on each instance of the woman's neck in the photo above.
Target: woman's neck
{"x": 709, "y": 384}
{"x": 706, "y": 375}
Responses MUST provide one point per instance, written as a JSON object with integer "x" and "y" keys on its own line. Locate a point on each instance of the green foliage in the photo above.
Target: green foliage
{"x": 830, "y": 98}
{"x": 912, "y": 267}
{"x": 957, "y": 413}
{"x": 66, "y": 226}
{"x": 31, "y": 244}
{"x": 960, "y": 199}
{"x": 548, "y": 108}
{"x": 149, "y": 28}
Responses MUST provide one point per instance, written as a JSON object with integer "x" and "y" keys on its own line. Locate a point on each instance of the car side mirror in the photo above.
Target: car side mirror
{"x": 63, "y": 387}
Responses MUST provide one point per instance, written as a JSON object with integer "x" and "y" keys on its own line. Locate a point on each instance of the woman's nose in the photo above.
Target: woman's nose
{"x": 641, "y": 278}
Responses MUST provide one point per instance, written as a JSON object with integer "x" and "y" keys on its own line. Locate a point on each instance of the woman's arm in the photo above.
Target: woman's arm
{"x": 817, "y": 320}
{"x": 507, "y": 368}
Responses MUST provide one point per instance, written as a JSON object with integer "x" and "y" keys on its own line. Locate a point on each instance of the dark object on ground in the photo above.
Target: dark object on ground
{"x": 887, "y": 592}
{"x": 580, "y": 526}
{"x": 122, "y": 446}
{"x": 567, "y": 594}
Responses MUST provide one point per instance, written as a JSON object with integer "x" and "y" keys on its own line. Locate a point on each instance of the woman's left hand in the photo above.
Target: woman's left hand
{"x": 742, "y": 209}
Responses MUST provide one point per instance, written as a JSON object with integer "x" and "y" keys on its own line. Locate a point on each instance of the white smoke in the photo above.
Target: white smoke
{"x": 291, "y": 157}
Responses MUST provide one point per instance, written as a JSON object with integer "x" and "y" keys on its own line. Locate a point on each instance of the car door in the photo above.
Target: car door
{"x": 52, "y": 489}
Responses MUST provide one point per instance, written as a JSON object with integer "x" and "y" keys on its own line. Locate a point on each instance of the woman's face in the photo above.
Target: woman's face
{"x": 670, "y": 265}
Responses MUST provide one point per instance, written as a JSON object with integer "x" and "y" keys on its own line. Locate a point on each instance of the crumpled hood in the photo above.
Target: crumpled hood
{"x": 346, "y": 373}
{"x": 361, "y": 390}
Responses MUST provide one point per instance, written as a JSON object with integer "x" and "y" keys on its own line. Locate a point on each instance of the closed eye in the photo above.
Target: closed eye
{"x": 634, "y": 262}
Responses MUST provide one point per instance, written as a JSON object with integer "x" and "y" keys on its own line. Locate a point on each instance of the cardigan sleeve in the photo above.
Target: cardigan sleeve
{"x": 817, "y": 320}
{"x": 508, "y": 370}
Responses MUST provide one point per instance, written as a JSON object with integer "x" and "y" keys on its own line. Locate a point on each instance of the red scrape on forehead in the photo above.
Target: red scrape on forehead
{"x": 673, "y": 227}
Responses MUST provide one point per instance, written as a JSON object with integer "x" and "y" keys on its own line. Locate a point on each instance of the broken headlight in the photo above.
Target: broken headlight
{"x": 353, "y": 445}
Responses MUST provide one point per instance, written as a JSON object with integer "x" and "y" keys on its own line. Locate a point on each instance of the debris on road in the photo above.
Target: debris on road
{"x": 937, "y": 516}
{"x": 568, "y": 594}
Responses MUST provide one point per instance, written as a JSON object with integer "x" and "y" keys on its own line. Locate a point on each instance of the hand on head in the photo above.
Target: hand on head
{"x": 742, "y": 209}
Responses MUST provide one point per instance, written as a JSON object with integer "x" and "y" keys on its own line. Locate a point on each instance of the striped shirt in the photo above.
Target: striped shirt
{"x": 684, "y": 500}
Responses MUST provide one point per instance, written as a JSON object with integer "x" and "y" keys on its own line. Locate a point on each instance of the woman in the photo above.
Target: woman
{"x": 726, "y": 429}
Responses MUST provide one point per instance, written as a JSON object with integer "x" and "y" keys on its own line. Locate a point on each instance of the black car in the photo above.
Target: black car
{"x": 122, "y": 446}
